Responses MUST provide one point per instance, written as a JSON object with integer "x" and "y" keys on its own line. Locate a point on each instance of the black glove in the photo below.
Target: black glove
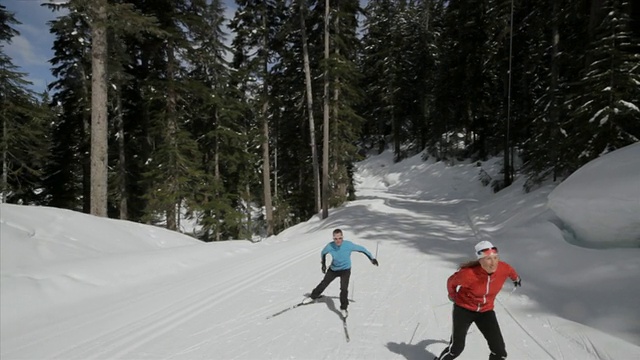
{"x": 324, "y": 268}
{"x": 517, "y": 282}
{"x": 374, "y": 262}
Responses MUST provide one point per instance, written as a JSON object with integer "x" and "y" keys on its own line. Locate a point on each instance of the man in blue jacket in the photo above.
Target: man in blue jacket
{"x": 340, "y": 251}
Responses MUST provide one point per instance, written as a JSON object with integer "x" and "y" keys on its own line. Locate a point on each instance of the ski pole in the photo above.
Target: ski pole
{"x": 414, "y": 333}
{"x": 353, "y": 286}
{"x": 378, "y": 243}
{"x": 443, "y": 304}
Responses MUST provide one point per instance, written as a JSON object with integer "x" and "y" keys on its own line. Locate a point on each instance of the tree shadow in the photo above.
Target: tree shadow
{"x": 414, "y": 351}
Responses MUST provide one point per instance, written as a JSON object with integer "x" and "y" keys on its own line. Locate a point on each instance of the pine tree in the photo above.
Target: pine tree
{"x": 346, "y": 123}
{"x": 605, "y": 108}
{"x": 552, "y": 54}
{"x": 215, "y": 123}
{"x": 256, "y": 24}
{"x": 172, "y": 171}
{"x": 379, "y": 61}
{"x": 67, "y": 183}
{"x": 23, "y": 122}
{"x": 293, "y": 172}
{"x": 309, "y": 101}
{"x": 97, "y": 14}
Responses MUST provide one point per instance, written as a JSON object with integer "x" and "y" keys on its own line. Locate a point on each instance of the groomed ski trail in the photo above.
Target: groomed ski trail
{"x": 400, "y": 309}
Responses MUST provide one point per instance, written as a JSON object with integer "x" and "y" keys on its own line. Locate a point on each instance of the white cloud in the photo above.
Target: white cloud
{"x": 22, "y": 52}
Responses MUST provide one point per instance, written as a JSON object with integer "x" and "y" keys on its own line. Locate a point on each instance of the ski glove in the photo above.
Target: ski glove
{"x": 324, "y": 268}
{"x": 374, "y": 262}
{"x": 517, "y": 282}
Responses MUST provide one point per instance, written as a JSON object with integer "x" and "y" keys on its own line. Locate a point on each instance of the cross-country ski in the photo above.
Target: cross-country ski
{"x": 302, "y": 303}
{"x": 346, "y": 330}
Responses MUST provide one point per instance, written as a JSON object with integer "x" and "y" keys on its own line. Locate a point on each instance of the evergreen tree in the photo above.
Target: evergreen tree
{"x": 378, "y": 67}
{"x": 67, "y": 183}
{"x": 310, "y": 102}
{"x": 553, "y": 42}
{"x": 215, "y": 123}
{"x": 172, "y": 172}
{"x": 605, "y": 108}
{"x": 97, "y": 14}
{"x": 294, "y": 188}
{"x": 256, "y": 24}
{"x": 469, "y": 97}
{"x": 346, "y": 123}
{"x": 23, "y": 123}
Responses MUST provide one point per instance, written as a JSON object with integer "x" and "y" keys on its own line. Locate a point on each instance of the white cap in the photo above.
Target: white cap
{"x": 483, "y": 245}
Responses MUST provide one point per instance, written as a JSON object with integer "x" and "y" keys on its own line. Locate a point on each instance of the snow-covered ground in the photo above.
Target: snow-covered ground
{"x": 78, "y": 287}
{"x": 600, "y": 203}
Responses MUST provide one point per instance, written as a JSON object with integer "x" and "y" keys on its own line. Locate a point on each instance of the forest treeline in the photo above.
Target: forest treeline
{"x": 249, "y": 120}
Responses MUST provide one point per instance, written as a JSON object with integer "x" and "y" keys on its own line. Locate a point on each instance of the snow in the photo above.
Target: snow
{"x": 74, "y": 286}
{"x": 629, "y": 105}
{"x": 600, "y": 203}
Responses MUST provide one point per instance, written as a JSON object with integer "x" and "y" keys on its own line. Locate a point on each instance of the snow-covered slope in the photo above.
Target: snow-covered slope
{"x": 600, "y": 202}
{"x": 78, "y": 287}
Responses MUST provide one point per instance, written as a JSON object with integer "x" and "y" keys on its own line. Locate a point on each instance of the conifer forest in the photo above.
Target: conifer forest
{"x": 249, "y": 121}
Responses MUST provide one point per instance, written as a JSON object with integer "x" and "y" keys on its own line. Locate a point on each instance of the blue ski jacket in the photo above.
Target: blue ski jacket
{"x": 341, "y": 255}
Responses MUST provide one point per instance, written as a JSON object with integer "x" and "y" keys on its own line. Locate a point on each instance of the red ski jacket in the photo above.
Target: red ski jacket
{"x": 474, "y": 289}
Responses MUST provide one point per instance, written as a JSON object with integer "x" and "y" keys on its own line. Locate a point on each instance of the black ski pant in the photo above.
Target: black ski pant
{"x": 344, "y": 285}
{"x": 486, "y": 322}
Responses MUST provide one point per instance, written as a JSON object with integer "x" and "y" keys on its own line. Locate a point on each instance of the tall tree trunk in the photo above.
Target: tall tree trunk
{"x": 507, "y": 166}
{"x": 342, "y": 185}
{"x": 85, "y": 142}
{"x": 307, "y": 80}
{"x": 5, "y": 151}
{"x": 99, "y": 130}
{"x": 266, "y": 166}
{"x": 217, "y": 178}
{"x": 122, "y": 169}
{"x": 249, "y": 225}
{"x": 325, "y": 121}
{"x": 553, "y": 92}
{"x": 171, "y": 135}
{"x": 395, "y": 123}
{"x": 275, "y": 168}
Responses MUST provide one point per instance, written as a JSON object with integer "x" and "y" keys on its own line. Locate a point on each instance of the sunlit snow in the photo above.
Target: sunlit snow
{"x": 600, "y": 203}
{"x": 74, "y": 286}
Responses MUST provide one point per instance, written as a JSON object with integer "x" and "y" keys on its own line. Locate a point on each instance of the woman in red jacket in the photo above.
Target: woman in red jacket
{"x": 473, "y": 288}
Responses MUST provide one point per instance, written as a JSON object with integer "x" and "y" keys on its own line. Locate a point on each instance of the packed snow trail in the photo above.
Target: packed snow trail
{"x": 217, "y": 310}
{"x": 400, "y": 310}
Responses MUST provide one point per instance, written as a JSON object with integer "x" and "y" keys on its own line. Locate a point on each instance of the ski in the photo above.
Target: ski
{"x": 344, "y": 326}
{"x": 285, "y": 310}
{"x": 292, "y": 307}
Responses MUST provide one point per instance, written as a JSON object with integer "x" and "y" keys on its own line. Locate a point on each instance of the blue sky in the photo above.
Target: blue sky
{"x": 31, "y": 51}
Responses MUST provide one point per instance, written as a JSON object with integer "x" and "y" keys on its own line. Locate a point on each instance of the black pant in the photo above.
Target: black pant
{"x": 486, "y": 322}
{"x": 344, "y": 285}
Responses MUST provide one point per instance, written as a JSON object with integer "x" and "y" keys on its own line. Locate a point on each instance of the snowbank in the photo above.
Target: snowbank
{"x": 51, "y": 256}
{"x": 600, "y": 202}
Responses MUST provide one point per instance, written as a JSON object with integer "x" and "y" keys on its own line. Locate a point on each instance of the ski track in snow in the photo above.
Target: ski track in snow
{"x": 149, "y": 324}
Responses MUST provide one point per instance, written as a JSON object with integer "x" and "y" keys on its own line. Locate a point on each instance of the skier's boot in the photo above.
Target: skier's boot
{"x": 307, "y": 300}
